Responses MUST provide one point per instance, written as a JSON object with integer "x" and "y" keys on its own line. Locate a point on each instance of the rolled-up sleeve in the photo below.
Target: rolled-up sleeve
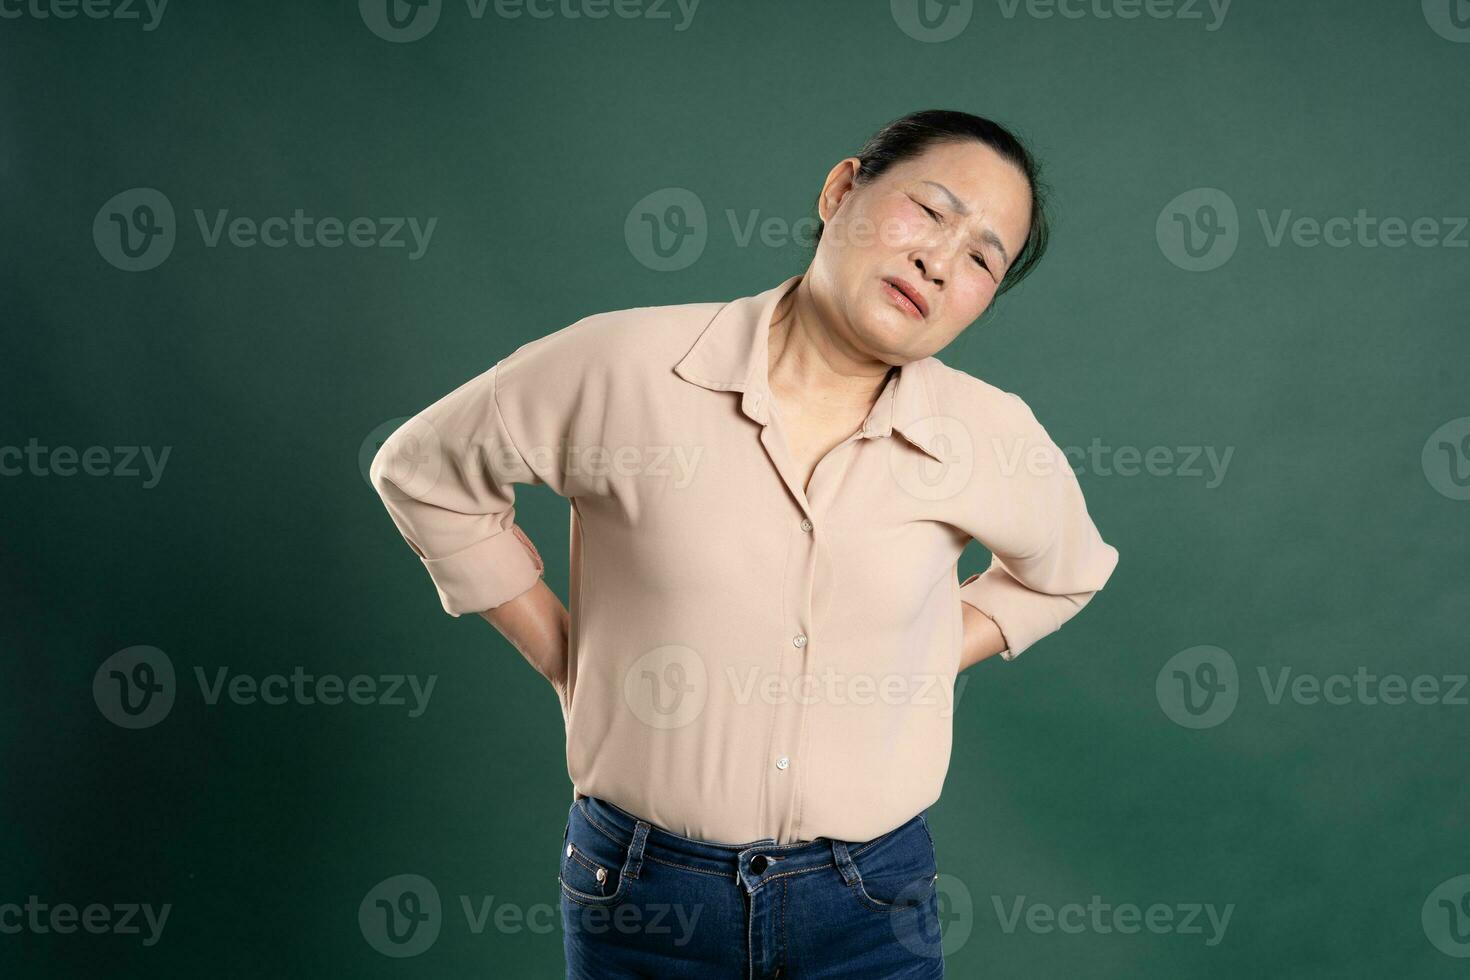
{"x": 446, "y": 477}
{"x": 1050, "y": 559}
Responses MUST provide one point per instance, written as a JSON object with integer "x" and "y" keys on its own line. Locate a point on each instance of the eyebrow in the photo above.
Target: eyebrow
{"x": 986, "y": 234}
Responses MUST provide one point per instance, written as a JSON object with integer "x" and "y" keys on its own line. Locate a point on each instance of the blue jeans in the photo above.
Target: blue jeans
{"x": 639, "y": 901}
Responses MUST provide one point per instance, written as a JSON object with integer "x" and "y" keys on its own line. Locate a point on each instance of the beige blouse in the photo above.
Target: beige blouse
{"x": 747, "y": 659}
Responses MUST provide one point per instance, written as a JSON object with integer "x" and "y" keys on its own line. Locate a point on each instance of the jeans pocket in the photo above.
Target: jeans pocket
{"x": 897, "y": 870}
{"x": 592, "y": 861}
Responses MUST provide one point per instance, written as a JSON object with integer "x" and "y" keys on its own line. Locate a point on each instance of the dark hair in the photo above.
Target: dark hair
{"x": 911, "y": 135}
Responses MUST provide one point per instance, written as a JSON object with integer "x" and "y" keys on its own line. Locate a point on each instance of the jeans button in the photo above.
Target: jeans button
{"x": 758, "y": 863}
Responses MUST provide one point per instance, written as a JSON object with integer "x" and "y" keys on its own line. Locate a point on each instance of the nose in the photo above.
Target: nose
{"x": 925, "y": 271}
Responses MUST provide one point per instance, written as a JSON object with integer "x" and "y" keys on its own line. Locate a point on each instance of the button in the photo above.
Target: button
{"x": 758, "y": 863}
{"x": 601, "y": 875}
{"x": 782, "y": 762}
{"x": 799, "y": 639}
{"x": 806, "y": 525}
{"x": 569, "y": 850}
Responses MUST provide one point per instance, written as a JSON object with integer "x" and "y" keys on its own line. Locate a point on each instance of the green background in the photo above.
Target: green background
{"x": 1324, "y": 549}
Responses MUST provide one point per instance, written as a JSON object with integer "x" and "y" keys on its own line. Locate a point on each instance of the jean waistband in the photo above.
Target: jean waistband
{"x": 728, "y": 859}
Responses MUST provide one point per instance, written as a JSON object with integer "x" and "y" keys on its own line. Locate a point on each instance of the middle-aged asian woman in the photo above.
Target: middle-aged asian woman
{"x": 769, "y": 497}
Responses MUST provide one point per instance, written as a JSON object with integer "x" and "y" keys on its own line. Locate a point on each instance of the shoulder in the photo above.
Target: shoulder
{"x": 611, "y": 343}
{"x": 979, "y": 403}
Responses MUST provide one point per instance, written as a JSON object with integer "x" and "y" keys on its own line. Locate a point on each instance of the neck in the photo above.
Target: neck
{"x": 811, "y": 367}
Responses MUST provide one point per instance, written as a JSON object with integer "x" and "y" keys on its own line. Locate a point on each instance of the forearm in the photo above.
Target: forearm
{"x": 536, "y": 624}
{"x": 982, "y": 637}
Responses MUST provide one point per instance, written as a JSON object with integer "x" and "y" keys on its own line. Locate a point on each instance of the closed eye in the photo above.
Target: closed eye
{"x": 980, "y": 261}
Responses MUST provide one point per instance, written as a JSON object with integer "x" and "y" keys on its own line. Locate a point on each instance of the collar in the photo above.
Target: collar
{"x": 731, "y": 354}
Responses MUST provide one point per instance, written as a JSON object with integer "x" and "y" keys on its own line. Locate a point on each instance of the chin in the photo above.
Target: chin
{"x": 887, "y": 337}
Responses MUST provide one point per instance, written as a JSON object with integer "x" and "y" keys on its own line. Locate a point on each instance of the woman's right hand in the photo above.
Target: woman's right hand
{"x": 539, "y": 626}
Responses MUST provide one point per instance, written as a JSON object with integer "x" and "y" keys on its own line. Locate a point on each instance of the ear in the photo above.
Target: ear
{"x": 841, "y": 181}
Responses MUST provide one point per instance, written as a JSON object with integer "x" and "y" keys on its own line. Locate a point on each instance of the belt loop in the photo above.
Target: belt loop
{"x": 844, "y": 862}
{"x": 635, "y": 849}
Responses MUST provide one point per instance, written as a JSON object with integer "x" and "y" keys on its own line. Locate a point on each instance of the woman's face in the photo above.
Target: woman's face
{"x": 946, "y": 225}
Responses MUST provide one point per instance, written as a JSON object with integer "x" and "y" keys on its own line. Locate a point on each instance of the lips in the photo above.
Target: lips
{"x": 909, "y": 293}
